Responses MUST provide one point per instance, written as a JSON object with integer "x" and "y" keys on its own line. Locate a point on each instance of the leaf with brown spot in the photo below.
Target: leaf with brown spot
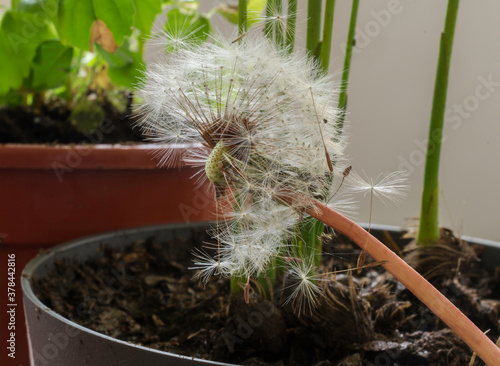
{"x": 100, "y": 33}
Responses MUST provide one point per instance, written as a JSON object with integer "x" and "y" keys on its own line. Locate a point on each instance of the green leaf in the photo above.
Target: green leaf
{"x": 120, "y": 58}
{"x": 50, "y": 65}
{"x": 255, "y": 9}
{"x": 118, "y": 16}
{"x": 20, "y": 35}
{"x": 11, "y": 99}
{"x": 75, "y": 21}
{"x": 145, "y": 14}
{"x": 46, "y": 9}
{"x": 189, "y": 27}
{"x": 127, "y": 76}
{"x": 76, "y": 18}
{"x": 124, "y": 66}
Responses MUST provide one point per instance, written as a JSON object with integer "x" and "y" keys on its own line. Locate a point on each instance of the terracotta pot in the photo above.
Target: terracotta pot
{"x": 57, "y": 193}
{"x": 57, "y": 341}
{"x": 51, "y": 194}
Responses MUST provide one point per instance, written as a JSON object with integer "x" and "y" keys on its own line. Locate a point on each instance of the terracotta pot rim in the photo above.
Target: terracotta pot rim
{"x": 88, "y": 156}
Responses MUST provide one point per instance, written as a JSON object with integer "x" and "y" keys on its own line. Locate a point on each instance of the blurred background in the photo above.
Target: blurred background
{"x": 390, "y": 96}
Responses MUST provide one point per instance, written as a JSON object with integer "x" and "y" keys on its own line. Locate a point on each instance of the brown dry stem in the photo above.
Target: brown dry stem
{"x": 413, "y": 281}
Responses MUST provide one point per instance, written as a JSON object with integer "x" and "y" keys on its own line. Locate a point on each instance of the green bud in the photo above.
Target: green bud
{"x": 213, "y": 164}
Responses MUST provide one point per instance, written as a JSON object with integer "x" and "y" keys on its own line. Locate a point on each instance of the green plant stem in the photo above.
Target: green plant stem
{"x": 313, "y": 27}
{"x": 279, "y": 25}
{"x": 236, "y": 282}
{"x": 428, "y": 232}
{"x": 141, "y": 40}
{"x": 291, "y": 25}
{"x": 242, "y": 16}
{"x": 38, "y": 100}
{"x": 265, "y": 284}
{"x": 68, "y": 93}
{"x": 347, "y": 64}
{"x": 326, "y": 43}
{"x": 25, "y": 96}
{"x": 268, "y": 25}
{"x": 410, "y": 278}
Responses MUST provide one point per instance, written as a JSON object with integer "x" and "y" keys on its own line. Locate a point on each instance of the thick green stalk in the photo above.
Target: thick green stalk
{"x": 291, "y": 24}
{"x": 279, "y": 25}
{"x": 326, "y": 43}
{"x": 236, "y": 282}
{"x": 268, "y": 25}
{"x": 428, "y": 232}
{"x": 313, "y": 27}
{"x": 242, "y": 16}
{"x": 347, "y": 63}
{"x": 140, "y": 45}
{"x": 265, "y": 283}
{"x": 310, "y": 232}
{"x": 38, "y": 99}
{"x": 26, "y": 97}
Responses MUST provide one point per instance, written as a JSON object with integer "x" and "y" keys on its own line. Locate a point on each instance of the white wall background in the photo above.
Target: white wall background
{"x": 390, "y": 96}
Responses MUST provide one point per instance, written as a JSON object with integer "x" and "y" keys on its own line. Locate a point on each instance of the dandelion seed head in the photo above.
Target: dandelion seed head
{"x": 256, "y": 115}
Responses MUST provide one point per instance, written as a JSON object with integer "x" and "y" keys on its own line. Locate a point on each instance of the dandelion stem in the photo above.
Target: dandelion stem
{"x": 428, "y": 232}
{"x": 326, "y": 43}
{"x": 412, "y": 280}
{"x": 242, "y": 16}
{"x": 313, "y": 27}
{"x": 236, "y": 287}
{"x": 307, "y": 239}
{"x": 290, "y": 25}
{"x": 347, "y": 63}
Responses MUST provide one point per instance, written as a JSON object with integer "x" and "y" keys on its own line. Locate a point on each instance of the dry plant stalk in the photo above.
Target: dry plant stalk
{"x": 413, "y": 281}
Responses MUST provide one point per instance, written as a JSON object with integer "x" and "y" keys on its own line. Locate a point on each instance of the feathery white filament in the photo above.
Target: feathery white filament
{"x": 272, "y": 118}
{"x": 389, "y": 187}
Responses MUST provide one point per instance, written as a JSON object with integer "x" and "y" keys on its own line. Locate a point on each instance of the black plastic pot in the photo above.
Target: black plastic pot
{"x": 57, "y": 341}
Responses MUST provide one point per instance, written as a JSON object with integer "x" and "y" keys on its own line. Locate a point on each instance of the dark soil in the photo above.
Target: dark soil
{"x": 365, "y": 318}
{"x": 54, "y": 123}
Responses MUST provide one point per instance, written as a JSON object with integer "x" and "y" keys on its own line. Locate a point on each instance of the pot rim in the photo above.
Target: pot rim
{"x": 46, "y": 256}
{"x": 90, "y": 156}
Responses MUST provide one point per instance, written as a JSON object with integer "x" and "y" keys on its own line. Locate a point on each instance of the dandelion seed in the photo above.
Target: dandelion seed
{"x": 178, "y": 35}
{"x": 390, "y": 187}
{"x": 305, "y": 290}
{"x": 345, "y": 204}
{"x": 207, "y": 266}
